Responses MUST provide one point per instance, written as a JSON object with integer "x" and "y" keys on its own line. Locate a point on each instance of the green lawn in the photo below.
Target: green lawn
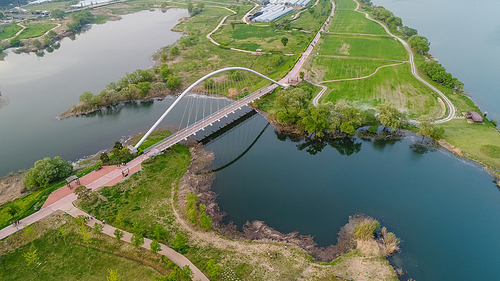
{"x": 55, "y": 263}
{"x": 337, "y": 68}
{"x": 395, "y": 84}
{"x": 9, "y": 30}
{"x": 50, "y": 6}
{"x": 354, "y": 22}
{"x": 313, "y": 22}
{"x": 477, "y": 141}
{"x": 345, "y": 4}
{"x": 251, "y": 38}
{"x": 35, "y": 30}
{"x": 25, "y": 205}
{"x": 363, "y": 46}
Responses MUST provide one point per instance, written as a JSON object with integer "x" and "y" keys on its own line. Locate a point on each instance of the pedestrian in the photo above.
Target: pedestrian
{"x": 90, "y": 217}
{"x": 103, "y": 222}
{"x": 276, "y": 255}
{"x": 285, "y": 247}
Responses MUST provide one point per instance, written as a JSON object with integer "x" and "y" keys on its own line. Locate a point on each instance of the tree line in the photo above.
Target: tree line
{"x": 133, "y": 86}
{"x": 293, "y": 107}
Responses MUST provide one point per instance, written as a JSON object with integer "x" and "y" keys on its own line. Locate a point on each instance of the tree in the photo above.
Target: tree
{"x": 46, "y": 40}
{"x": 83, "y": 193}
{"x": 113, "y": 275}
{"x": 86, "y": 238}
{"x": 118, "y": 235}
{"x": 233, "y": 24}
{"x": 212, "y": 268}
{"x": 200, "y": 6}
{"x": 165, "y": 72}
{"x": 348, "y": 127}
{"x": 32, "y": 259}
{"x": 425, "y": 127}
{"x": 174, "y": 82}
{"x": 187, "y": 273}
{"x": 174, "y": 51}
{"x": 284, "y": 40}
{"x": 86, "y": 97}
{"x": 155, "y": 246}
{"x": 51, "y": 33}
{"x": 104, "y": 157}
{"x": 63, "y": 231}
{"x": 58, "y": 14}
{"x": 13, "y": 210}
{"x": 179, "y": 243}
{"x": 116, "y": 148}
{"x": 98, "y": 228}
{"x": 159, "y": 232}
{"x": 205, "y": 220}
{"x": 384, "y": 15}
{"x": 419, "y": 43}
{"x": 409, "y": 32}
{"x": 389, "y": 116}
{"x": 287, "y": 26}
{"x": 144, "y": 87}
{"x": 137, "y": 240}
{"x": 301, "y": 74}
{"x": 394, "y": 22}
{"x": 191, "y": 208}
{"x": 36, "y": 43}
{"x": 15, "y": 42}
{"x": 29, "y": 232}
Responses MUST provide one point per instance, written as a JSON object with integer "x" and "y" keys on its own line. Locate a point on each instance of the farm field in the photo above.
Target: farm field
{"x": 363, "y": 46}
{"x": 8, "y": 31}
{"x": 345, "y": 4}
{"x": 35, "y": 30}
{"x": 251, "y": 38}
{"x": 394, "y": 84}
{"x": 354, "y": 22}
{"x": 341, "y": 68}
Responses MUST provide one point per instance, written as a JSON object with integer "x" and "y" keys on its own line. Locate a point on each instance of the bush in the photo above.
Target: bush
{"x": 366, "y": 229}
{"x": 494, "y": 122}
{"x": 179, "y": 243}
{"x": 174, "y": 82}
{"x": 46, "y": 171}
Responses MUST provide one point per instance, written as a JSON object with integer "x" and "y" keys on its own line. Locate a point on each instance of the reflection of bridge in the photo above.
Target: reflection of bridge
{"x": 198, "y": 125}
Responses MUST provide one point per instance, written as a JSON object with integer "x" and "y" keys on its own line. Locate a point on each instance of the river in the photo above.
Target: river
{"x": 444, "y": 209}
{"x": 465, "y": 37}
{"x": 38, "y": 89}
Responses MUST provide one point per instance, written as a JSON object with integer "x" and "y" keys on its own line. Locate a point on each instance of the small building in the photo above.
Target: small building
{"x": 474, "y": 117}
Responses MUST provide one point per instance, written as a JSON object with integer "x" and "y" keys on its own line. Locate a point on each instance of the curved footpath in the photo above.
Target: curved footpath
{"x": 172, "y": 255}
{"x": 449, "y": 104}
{"x": 112, "y": 176}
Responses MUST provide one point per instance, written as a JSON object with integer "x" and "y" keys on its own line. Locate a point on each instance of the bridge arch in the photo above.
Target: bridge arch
{"x": 194, "y": 85}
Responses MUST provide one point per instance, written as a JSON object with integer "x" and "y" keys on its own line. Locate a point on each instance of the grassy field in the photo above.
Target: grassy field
{"x": 58, "y": 261}
{"x": 336, "y": 68}
{"x": 35, "y": 30}
{"x": 251, "y": 38}
{"x": 354, "y": 22}
{"x": 313, "y": 22}
{"x": 202, "y": 57}
{"x": 9, "y": 30}
{"x": 395, "y": 84}
{"x": 345, "y": 4}
{"x": 49, "y": 6}
{"x": 363, "y": 46}
{"x": 477, "y": 141}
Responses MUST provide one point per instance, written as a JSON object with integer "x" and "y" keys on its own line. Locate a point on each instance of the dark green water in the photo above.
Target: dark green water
{"x": 39, "y": 89}
{"x": 444, "y": 209}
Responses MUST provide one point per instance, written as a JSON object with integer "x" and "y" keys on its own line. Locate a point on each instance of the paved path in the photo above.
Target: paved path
{"x": 19, "y": 32}
{"x": 449, "y": 104}
{"x": 172, "y": 255}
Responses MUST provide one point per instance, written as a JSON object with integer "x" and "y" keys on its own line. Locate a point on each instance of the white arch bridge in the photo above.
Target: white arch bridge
{"x": 197, "y": 125}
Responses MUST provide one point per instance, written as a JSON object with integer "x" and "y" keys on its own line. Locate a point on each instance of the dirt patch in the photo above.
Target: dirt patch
{"x": 453, "y": 149}
{"x": 12, "y": 187}
{"x": 344, "y": 50}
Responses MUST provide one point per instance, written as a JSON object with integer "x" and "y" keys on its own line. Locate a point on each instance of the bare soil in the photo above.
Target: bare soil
{"x": 12, "y": 187}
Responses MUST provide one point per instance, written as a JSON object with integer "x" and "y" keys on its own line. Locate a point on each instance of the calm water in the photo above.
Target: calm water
{"x": 39, "y": 89}
{"x": 445, "y": 210}
{"x": 465, "y": 37}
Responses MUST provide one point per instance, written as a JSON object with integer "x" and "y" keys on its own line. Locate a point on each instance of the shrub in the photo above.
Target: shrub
{"x": 46, "y": 171}
{"x": 174, "y": 82}
{"x": 366, "y": 229}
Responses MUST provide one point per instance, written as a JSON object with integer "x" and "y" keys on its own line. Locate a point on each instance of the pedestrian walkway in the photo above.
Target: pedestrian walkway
{"x": 168, "y": 252}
